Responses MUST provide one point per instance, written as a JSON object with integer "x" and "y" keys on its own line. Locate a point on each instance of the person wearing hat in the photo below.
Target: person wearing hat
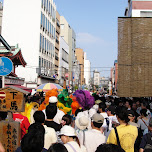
{"x": 94, "y": 137}
{"x": 58, "y": 117}
{"x": 81, "y": 125}
{"x": 70, "y": 140}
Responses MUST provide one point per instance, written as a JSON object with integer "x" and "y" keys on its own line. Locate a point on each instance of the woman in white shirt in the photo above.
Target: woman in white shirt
{"x": 70, "y": 140}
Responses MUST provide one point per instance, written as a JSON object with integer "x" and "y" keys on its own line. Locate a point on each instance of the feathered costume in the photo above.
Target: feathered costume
{"x": 75, "y": 105}
{"x": 48, "y": 94}
{"x": 85, "y": 100}
{"x": 65, "y": 102}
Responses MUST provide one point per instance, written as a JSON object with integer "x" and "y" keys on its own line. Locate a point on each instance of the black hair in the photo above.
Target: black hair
{"x": 51, "y": 111}
{"x": 77, "y": 111}
{"x": 102, "y": 106}
{"x": 109, "y": 148}
{"x": 57, "y": 147}
{"x": 39, "y": 117}
{"x": 130, "y": 102}
{"x": 143, "y": 112}
{"x": 67, "y": 118}
{"x": 122, "y": 113}
{"x": 3, "y": 115}
{"x": 33, "y": 141}
{"x": 98, "y": 125}
{"x": 36, "y": 126}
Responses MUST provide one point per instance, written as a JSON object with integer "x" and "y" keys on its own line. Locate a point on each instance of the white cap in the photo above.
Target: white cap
{"x": 53, "y": 99}
{"x": 67, "y": 131}
{"x": 82, "y": 122}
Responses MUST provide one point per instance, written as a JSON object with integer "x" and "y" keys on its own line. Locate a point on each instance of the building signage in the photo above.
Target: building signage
{"x": 6, "y": 66}
{"x": 11, "y": 80}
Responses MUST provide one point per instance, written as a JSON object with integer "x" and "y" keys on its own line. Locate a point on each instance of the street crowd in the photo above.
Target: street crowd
{"x": 98, "y": 123}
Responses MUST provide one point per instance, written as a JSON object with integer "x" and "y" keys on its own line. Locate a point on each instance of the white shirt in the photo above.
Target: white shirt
{"x": 93, "y": 138}
{"x": 58, "y": 116}
{"x": 49, "y": 137}
{"x": 74, "y": 145}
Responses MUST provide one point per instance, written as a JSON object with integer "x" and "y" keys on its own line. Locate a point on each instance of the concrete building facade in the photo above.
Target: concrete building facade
{"x": 57, "y": 43}
{"x": 80, "y": 57}
{"x": 96, "y": 77}
{"x": 87, "y": 70}
{"x": 68, "y": 34}
{"x": 139, "y": 8}
{"x": 33, "y": 26}
{"x": 63, "y": 61}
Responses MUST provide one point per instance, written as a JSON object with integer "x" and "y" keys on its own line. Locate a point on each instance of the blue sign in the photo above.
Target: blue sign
{"x": 6, "y": 66}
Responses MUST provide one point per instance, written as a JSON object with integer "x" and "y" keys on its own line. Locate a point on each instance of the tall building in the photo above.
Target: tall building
{"x": 68, "y": 34}
{"x": 80, "y": 57}
{"x": 57, "y": 42}
{"x": 63, "y": 61}
{"x": 87, "y": 70}
{"x": 96, "y": 77}
{"x": 32, "y": 25}
{"x": 139, "y": 8}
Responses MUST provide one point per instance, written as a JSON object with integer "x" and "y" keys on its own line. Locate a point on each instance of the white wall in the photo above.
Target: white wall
{"x": 62, "y": 63}
{"x": 21, "y": 24}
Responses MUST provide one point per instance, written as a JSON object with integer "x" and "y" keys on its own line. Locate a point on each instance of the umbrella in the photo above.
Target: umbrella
{"x": 48, "y": 86}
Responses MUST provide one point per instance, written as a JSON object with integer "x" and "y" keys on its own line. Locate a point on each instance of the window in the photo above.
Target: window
{"x": 43, "y": 21}
{"x": 52, "y": 30}
{"x": 42, "y": 62}
{"x": 146, "y": 13}
{"x": 40, "y": 42}
{"x": 43, "y": 43}
{"x": 46, "y": 23}
{"x": 41, "y": 18}
{"x": 42, "y": 3}
{"x": 39, "y": 61}
{"x": 49, "y": 7}
{"x": 48, "y": 26}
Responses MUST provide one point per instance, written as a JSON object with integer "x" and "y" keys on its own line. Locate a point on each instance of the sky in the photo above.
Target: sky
{"x": 95, "y": 25}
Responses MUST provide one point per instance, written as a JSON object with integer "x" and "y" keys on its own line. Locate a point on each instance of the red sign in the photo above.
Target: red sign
{"x": 67, "y": 75}
{"x": 2, "y": 95}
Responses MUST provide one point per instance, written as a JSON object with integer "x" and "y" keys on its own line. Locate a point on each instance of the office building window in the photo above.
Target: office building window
{"x": 43, "y": 21}
{"x": 48, "y": 26}
{"x": 41, "y": 18}
{"x": 47, "y": 5}
{"x": 42, "y": 62}
{"x": 39, "y": 61}
{"x": 51, "y": 9}
{"x": 45, "y": 45}
{"x": 46, "y": 23}
{"x": 40, "y": 42}
{"x": 42, "y": 3}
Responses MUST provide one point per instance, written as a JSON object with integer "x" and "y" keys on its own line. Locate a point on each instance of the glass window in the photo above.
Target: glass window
{"x": 39, "y": 61}
{"x": 51, "y": 9}
{"x": 42, "y": 62}
{"x": 42, "y": 3}
{"x": 52, "y": 30}
{"x": 62, "y": 26}
{"x": 40, "y": 42}
{"x": 46, "y": 23}
{"x": 48, "y": 26}
{"x": 43, "y": 21}
{"x": 41, "y": 18}
{"x": 49, "y": 6}
{"x": 43, "y": 43}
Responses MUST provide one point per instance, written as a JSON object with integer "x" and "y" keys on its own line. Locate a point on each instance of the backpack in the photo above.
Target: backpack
{"x": 149, "y": 141}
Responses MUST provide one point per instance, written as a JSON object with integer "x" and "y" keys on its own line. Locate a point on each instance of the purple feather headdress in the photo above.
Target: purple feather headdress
{"x": 85, "y": 99}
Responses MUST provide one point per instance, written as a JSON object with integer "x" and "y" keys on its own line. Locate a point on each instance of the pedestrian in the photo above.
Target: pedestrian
{"x": 94, "y": 137}
{"x": 143, "y": 121}
{"x": 109, "y": 148}
{"x": 66, "y": 120}
{"x": 50, "y": 136}
{"x": 70, "y": 140}
{"x": 58, "y": 117}
{"x": 57, "y": 147}
{"x": 124, "y": 135}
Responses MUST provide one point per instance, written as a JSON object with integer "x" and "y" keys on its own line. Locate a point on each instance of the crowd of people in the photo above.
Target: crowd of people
{"x": 99, "y": 124}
